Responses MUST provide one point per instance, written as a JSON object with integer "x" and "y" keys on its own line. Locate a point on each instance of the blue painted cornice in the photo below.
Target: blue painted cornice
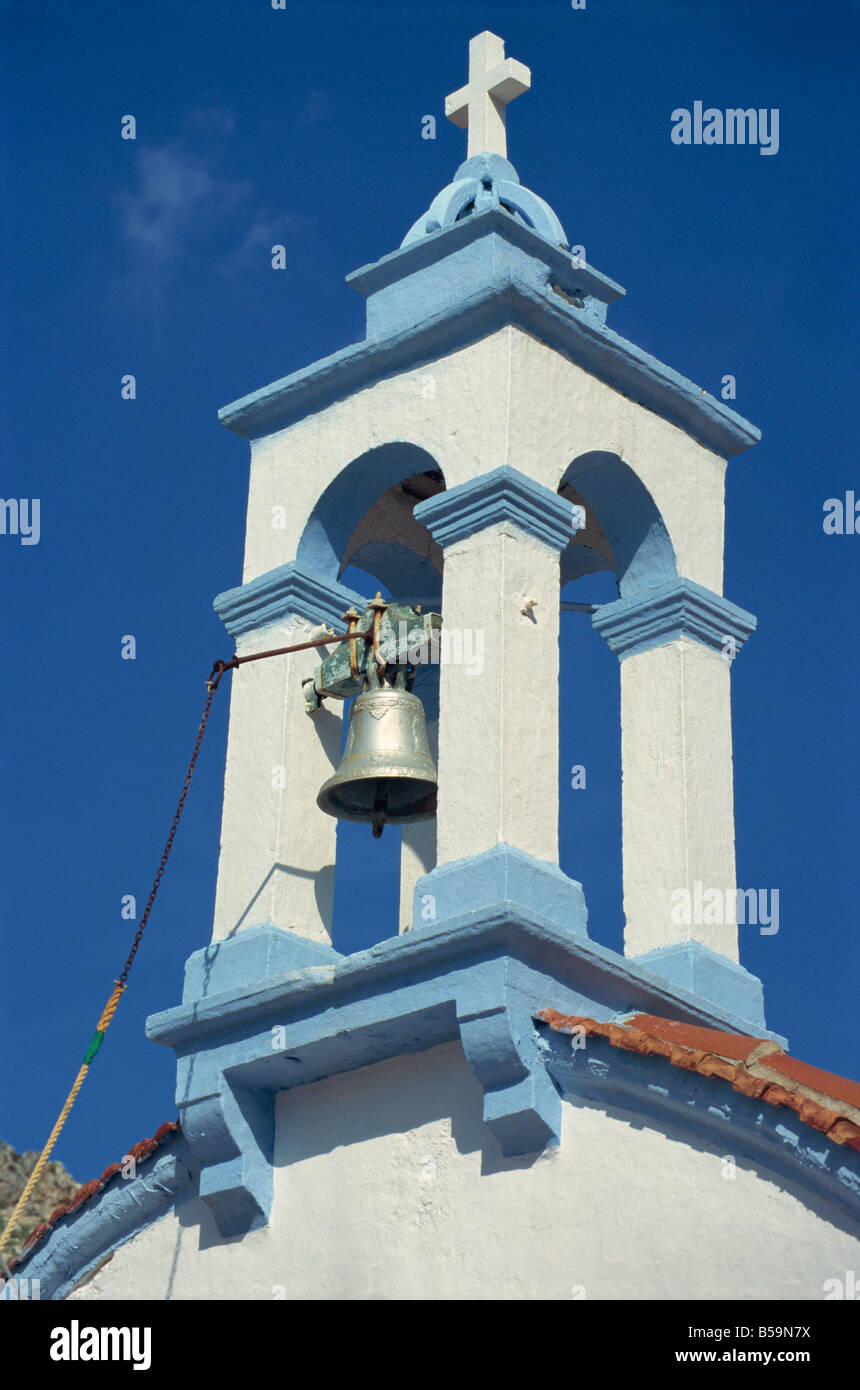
{"x": 664, "y": 614}
{"x": 290, "y": 590}
{"x": 464, "y": 247}
{"x": 479, "y": 977}
{"x": 457, "y": 286}
{"x": 504, "y": 494}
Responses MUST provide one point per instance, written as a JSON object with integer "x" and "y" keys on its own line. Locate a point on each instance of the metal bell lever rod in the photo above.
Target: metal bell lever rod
{"x": 386, "y": 774}
{"x": 221, "y": 666}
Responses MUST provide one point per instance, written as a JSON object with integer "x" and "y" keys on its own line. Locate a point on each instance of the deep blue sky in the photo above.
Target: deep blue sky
{"x": 303, "y": 127}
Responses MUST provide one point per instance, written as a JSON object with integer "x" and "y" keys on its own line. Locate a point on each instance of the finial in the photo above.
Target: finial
{"x": 494, "y": 80}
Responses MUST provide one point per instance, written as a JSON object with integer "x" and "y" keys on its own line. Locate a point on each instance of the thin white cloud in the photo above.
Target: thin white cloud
{"x": 177, "y": 191}
{"x": 184, "y": 203}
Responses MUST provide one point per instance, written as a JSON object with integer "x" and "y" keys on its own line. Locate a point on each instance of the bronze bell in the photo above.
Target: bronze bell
{"x": 386, "y": 772}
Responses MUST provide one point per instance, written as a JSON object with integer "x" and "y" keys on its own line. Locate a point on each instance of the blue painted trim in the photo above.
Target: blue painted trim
{"x": 499, "y": 230}
{"x": 510, "y": 298}
{"x": 600, "y": 978}
{"x": 349, "y": 495}
{"x": 233, "y": 1125}
{"x": 251, "y": 955}
{"x": 665, "y": 614}
{"x": 485, "y": 181}
{"x": 499, "y": 880}
{"x": 290, "y": 590}
{"x": 700, "y": 970}
{"x": 447, "y": 269}
{"x": 478, "y": 976}
{"x": 708, "y": 1109}
{"x": 641, "y": 546}
{"x": 504, "y": 494}
{"x": 80, "y": 1241}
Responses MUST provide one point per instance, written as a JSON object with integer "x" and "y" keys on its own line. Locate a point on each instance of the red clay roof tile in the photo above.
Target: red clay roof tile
{"x": 737, "y": 1046}
{"x": 89, "y": 1189}
{"x": 84, "y": 1194}
{"x": 753, "y": 1066}
{"x": 825, "y": 1083}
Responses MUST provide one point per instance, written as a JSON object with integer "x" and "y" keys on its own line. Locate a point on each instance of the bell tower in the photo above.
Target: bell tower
{"x": 490, "y": 439}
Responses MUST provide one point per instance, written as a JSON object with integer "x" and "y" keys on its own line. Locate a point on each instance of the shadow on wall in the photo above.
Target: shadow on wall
{"x": 383, "y": 1099}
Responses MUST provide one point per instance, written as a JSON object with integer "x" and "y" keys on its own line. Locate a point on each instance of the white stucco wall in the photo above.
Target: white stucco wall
{"x": 388, "y": 1186}
{"x": 277, "y": 848}
{"x": 508, "y": 399}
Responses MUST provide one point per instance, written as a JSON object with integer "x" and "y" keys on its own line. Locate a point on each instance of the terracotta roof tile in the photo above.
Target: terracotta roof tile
{"x": 755, "y": 1067}
{"x": 733, "y": 1045}
{"x": 824, "y": 1083}
{"x": 778, "y": 1095}
{"x": 844, "y": 1132}
{"x": 83, "y": 1194}
{"x": 165, "y": 1130}
{"x": 95, "y": 1185}
{"x": 747, "y": 1084}
{"x": 141, "y": 1149}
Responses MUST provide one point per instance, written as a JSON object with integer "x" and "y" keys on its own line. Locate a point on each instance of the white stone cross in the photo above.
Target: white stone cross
{"x": 494, "y": 80}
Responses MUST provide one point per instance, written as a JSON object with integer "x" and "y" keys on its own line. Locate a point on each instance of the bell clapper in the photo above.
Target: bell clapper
{"x": 380, "y": 806}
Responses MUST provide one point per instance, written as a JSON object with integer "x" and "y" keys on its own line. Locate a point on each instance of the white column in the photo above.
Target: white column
{"x": 418, "y": 840}
{"x": 676, "y": 644}
{"x": 498, "y": 727}
{"x": 417, "y": 857}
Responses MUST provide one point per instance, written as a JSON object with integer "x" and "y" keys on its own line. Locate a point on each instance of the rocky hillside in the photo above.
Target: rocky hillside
{"x": 55, "y": 1187}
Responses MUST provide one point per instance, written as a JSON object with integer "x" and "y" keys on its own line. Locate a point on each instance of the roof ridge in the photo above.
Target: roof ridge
{"x": 746, "y": 1071}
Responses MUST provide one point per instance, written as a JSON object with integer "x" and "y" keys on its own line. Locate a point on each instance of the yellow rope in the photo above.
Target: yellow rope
{"x": 110, "y": 1008}
{"x": 107, "y": 1014}
{"x": 119, "y": 985}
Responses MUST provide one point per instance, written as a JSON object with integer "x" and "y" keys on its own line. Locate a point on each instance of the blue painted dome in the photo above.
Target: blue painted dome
{"x": 487, "y": 181}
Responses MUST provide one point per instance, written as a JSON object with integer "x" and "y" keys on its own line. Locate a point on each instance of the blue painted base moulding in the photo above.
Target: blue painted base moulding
{"x": 267, "y": 1010}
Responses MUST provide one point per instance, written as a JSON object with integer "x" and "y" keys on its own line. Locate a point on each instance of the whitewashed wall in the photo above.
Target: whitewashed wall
{"x": 508, "y": 399}
{"x": 388, "y": 1186}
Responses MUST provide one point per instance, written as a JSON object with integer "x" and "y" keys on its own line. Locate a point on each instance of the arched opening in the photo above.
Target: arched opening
{"x": 364, "y": 534}
{"x": 624, "y": 549}
{"x": 339, "y": 525}
{"x": 625, "y": 531}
